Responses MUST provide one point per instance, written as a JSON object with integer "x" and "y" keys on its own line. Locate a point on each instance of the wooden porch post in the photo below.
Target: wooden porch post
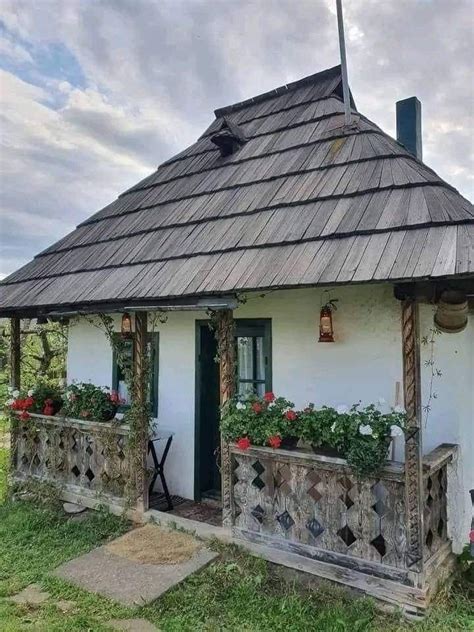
{"x": 15, "y": 383}
{"x": 413, "y": 438}
{"x": 15, "y": 372}
{"x": 226, "y": 350}
{"x": 139, "y": 460}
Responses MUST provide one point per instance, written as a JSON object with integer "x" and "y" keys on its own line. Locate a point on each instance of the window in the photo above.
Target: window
{"x": 118, "y": 378}
{"x": 253, "y": 343}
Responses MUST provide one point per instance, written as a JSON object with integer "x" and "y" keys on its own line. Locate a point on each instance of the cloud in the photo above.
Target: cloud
{"x": 96, "y": 94}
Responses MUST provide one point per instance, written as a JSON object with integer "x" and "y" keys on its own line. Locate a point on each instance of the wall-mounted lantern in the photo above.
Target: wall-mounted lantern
{"x": 326, "y": 329}
{"x": 126, "y": 327}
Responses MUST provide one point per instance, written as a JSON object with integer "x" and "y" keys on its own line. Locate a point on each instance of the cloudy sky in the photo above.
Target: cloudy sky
{"x": 96, "y": 93}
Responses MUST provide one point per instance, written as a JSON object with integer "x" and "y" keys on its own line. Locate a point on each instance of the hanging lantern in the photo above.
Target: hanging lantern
{"x": 126, "y": 328}
{"x": 326, "y": 331}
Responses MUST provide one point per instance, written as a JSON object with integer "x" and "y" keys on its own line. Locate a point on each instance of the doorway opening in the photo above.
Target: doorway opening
{"x": 253, "y": 375}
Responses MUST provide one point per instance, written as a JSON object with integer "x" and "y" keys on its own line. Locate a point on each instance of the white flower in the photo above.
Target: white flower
{"x": 16, "y": 393}
{"x": 399, "y": 409}
{"x": 240, "y": 406}
{"x": 30, "y": 392}
{"x": 10, "y": 389}
{"x": 271, "y": 404}
{"x": 10, "y": 402}
{"x": 366, "y": 430}
{"x": 342, "y": 409}
{"x": 333, "y": 427}
{"x": 396, "y": 431}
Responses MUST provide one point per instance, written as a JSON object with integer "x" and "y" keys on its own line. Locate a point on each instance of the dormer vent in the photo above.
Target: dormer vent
{"x": 228, "y": 138}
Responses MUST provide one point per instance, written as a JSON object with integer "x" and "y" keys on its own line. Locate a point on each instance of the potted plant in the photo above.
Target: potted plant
{"x": 370, "y": 437}
{"x": 43, "y": 399}
{"x": 324, "y": 430}
{"x": 87, "y": 401}
{"x": 267, "y": 420}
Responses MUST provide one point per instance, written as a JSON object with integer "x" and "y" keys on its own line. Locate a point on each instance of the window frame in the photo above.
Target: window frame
{"x": 154, "y": 340}
{"x": 255, "y": 328}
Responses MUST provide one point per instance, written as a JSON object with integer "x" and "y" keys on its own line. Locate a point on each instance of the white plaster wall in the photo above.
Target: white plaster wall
{"x": 90, "y": 360}
{"x": 451, "y": 419}
{"x": 364, "y": 363}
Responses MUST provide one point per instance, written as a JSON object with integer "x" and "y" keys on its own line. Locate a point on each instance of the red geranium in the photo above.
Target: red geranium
{"x": 244, "y": 443}
{"x": 257, "y": 407}
{"x": 290, "y": 415}
{"x": 28, "y": 402}
{"x": 274, "y": 442}
{"x": 269, "y": 397}
{"x": 24, "y": 415}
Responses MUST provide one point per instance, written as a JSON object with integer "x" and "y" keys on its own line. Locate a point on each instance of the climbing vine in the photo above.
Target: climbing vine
{"x": 429, "y": 341}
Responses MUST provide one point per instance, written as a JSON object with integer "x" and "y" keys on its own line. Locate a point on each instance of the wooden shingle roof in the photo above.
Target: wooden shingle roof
{"x": 304, "y": 201}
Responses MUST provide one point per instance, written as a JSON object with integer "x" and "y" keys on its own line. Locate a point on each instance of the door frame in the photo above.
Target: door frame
{"x": 199, "y": 323}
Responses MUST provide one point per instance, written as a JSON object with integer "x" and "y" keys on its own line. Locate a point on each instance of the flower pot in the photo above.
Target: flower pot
{"x": 289, "y": 443}
{"x": 326, "y": 450}
{"x": 109, "y": 414}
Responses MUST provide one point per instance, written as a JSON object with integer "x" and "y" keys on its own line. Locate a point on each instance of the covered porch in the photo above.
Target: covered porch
{"x": 389, "y": 535}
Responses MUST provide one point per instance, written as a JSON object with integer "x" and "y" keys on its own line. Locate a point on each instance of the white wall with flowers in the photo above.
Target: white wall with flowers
{"x": 364, "y": 363}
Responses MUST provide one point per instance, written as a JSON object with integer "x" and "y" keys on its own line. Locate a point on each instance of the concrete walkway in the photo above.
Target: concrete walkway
{"x": 130, "y": 582}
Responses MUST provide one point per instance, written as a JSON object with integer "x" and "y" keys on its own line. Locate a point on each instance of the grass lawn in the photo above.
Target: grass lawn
{"x": 237, "y": 593}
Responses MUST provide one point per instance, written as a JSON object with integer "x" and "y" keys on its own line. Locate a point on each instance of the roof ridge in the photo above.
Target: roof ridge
{"x": 288, "y": 87}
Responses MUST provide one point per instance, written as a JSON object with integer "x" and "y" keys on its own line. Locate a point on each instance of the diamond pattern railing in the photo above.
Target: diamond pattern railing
{"x": 77, "y": 455}
{"x": 313, "y": 504}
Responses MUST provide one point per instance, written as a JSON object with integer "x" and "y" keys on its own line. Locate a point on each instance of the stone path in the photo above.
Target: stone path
{"x": 34, "y": 595}
{"x": 127, "y": 581}
{"x": 31, "y": 595}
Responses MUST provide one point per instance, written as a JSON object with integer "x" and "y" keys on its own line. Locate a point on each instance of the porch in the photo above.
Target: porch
{"x": 387, "y": 536}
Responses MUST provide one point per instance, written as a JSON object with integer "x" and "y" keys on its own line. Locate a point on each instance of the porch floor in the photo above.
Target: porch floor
{"x": 201, "y": 512}
{"x": 209, "y": 512}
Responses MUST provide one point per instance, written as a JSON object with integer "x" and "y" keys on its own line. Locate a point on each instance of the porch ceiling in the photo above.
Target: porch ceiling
{"x": 304, "y": 201}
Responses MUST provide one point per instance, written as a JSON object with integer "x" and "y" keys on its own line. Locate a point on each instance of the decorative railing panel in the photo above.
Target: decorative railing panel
{"x": 79, "y": 456}
{"x": 314, "y": 506}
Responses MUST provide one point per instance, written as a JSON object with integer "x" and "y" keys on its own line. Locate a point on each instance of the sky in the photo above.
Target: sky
{"x": 96, "y": 93}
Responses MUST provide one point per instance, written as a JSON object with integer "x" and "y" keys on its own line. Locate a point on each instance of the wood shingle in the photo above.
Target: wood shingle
{"x": 304, "y": 201}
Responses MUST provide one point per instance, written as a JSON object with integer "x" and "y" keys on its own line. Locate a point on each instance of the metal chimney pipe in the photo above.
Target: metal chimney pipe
{"x": 409, "y": 125}
{"x": 345, "y": 81}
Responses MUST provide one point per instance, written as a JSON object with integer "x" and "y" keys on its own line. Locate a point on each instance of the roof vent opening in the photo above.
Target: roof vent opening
{"x": 229, "y": 138}
{"x": 409, "y": 125}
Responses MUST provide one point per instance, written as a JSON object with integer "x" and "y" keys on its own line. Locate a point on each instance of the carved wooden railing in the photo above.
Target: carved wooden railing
{"x": 86, "y": 460}
{"x": 315, "y": 506}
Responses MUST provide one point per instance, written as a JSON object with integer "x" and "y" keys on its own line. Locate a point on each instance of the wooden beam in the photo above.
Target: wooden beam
{"x": 15, "y": 355}
{"x": 413, "y": 435}
{"x": 15, "y": 383}
{"x": 225, "y": 332}
{"x": 140, "y": 394}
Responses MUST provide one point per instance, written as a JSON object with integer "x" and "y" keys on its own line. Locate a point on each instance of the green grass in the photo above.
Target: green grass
{"x": 237, "y": 593}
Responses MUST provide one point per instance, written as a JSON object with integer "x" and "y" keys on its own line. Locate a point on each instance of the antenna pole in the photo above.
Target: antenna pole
{"x": 342, "y": 48}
